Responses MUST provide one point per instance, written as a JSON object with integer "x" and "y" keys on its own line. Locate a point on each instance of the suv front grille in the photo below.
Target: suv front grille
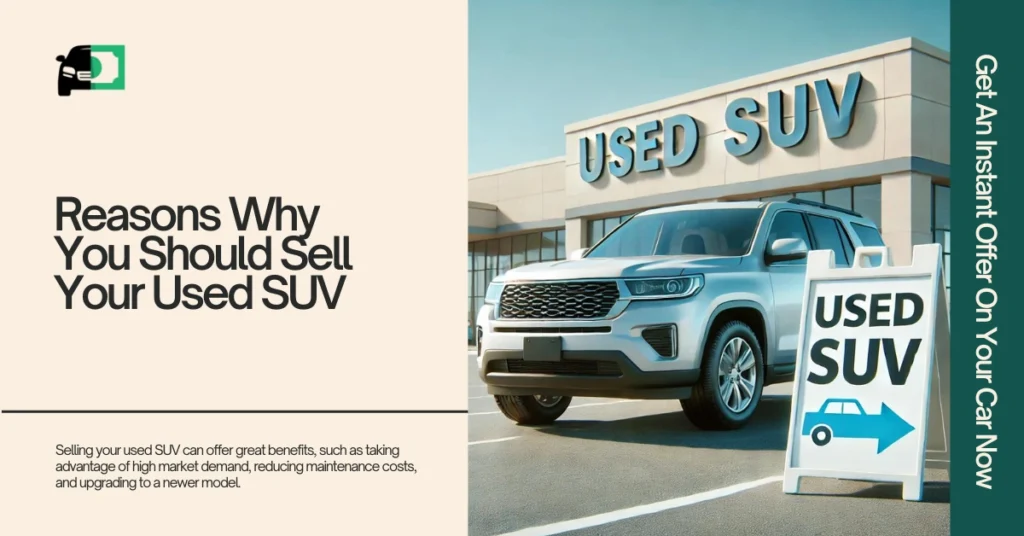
{"x": 560, "y": 368}
{"x": 581, "y": 299}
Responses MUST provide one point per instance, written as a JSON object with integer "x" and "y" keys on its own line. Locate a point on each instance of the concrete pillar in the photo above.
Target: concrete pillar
{"x": 575, "y": 235}
{"x": 906, "y": 214}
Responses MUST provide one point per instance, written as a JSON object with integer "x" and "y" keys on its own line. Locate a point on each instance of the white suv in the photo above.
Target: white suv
{"x": 700, "y": 303}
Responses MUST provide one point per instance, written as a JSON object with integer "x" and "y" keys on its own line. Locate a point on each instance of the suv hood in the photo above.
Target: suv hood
{"x": 621, "y": 267}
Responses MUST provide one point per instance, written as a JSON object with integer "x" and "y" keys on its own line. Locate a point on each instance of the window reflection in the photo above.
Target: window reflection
{"x": 940, "y": 227}
{"x": 599, "y": 228}
{"x": 518, "y": 251}
{"x": 940, "y": 208}
{"x": 504, "y": 255}
{"x": 547, "y": 246}
{"x": 492, "y": 254}
{"x": 532, "y": 248}
{"x": 867, "y": 200}
{"x": 595, "y": 232}
{"x": 840, "y": 197}
{"x": 815, "y": 196}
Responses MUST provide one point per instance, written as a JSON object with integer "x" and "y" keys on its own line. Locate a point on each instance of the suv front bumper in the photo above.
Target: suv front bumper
{"x": 497, "y": 368}
{"x": 599, "y": 358}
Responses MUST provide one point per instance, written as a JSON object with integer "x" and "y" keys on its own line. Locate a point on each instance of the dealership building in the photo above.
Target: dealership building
{"x": 867, "y": 131}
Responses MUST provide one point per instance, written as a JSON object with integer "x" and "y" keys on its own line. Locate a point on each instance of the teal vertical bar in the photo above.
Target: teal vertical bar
{"x": 988, "y": 293}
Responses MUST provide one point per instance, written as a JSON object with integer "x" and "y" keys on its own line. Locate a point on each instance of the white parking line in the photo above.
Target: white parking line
{"x": 486, "y": 441}
{"x": 479, "y": 397}
{"x": 636, "y": 511}
{"x": 570, "y": 407}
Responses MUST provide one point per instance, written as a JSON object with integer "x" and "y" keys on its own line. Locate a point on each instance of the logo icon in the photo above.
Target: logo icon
{"x": 846, "y": 418}
{"x": 91, "y": 67}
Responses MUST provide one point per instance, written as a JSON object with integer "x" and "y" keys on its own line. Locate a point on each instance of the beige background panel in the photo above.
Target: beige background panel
{"x": 306, "y": 100}
{"x": 431, "y": 501}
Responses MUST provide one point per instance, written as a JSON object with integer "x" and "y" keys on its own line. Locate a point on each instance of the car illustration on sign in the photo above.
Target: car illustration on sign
{"x": 846, "y": 418}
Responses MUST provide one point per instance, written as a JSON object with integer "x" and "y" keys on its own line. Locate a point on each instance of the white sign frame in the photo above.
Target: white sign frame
{"x": 926, "y": 263}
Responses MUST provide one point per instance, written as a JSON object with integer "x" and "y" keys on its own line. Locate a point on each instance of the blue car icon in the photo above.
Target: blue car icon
{"x": 846, "y": 418}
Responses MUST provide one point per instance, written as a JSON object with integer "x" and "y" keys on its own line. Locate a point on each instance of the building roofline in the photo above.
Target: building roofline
{"x": 884, "y": 49}
{"x": 535, "y": 163}
{"x": 482, "y": 206}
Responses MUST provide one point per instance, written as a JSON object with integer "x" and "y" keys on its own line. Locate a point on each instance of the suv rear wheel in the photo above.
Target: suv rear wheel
{"x": 533, "y": 410}
{"x": 732, "y": 377}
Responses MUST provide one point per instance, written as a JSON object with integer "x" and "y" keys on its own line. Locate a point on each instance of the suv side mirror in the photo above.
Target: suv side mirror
{"x": 787, "y": 249}
{"x": 60, "y": 58}
{"x": 578, "y": 254}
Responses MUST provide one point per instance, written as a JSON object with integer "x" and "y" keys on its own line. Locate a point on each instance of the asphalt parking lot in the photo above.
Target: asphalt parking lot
{"x": 613, "y": 467}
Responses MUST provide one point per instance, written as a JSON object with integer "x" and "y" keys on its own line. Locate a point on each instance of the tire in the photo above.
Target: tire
{"x": 706, "y": 408}
{"x": 825, "y": 435}
{"x": 530, "y": 411}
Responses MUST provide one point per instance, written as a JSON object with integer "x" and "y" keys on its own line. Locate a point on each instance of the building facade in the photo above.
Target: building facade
{"x": 866, "y": 130}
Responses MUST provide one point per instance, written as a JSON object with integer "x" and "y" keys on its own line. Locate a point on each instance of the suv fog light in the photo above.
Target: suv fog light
{"x": 662, "y": 339}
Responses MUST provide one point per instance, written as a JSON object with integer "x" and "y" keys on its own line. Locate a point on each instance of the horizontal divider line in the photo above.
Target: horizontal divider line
{"x": 352, "y": 411}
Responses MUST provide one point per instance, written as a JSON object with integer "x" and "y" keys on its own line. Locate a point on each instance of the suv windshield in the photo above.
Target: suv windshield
{"x": 723, "y": 232}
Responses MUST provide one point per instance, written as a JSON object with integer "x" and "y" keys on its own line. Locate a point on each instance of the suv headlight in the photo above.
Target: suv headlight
{"x": 665, "y": 287}
{"x": 493, "y": 293}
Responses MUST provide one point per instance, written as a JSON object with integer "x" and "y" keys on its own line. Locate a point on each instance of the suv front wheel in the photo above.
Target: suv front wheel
{"x": 533, "y": 410}
{"x": 732, "y": 377}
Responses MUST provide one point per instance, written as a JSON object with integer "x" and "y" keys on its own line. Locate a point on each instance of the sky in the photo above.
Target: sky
{"x": 536, "y": 66}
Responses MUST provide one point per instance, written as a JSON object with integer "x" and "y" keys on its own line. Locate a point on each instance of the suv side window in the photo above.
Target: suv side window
{"x": 847, "y": 243}
{"x": 826, "y": 236}
{"x": 788, "y": 224}
{"x": 868, "y": 235}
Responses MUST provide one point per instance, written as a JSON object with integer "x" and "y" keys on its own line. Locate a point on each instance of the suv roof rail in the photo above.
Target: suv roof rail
{"x": 807, "y": 202}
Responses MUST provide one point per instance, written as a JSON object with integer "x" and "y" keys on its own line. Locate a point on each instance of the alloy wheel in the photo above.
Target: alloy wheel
{"x": 737, "y": 375}
{"x": 547, "y": 401}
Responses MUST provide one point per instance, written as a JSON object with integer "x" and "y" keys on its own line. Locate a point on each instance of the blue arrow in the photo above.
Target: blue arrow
{"x": 887, "y": 427}
{"x": 891, "y": 428}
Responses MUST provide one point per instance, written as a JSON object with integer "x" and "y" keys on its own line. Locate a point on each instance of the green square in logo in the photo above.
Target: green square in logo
{"x": 107, "y": 67}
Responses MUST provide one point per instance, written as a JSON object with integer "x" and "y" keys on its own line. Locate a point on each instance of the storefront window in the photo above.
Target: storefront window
{"x": 840, "y": 197}
{"x": 941, "y": 227}
{"x": 518, "y": 251}
{"x": 492, "y": 255}
{"x": 479, "y": 256}
{"x": 598, "y": 229}
{"x": 595, "y": 232}
{"x": 504, "y": 255}
{"x": 491, "y": 258}
{"x": 532, "y": 248}
{"x": 547, "y": 246}
{"x": 867, "y": 200}
{"x": 816, "y": 196}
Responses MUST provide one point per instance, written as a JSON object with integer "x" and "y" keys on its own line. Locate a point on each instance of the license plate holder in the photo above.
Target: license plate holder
{"x": 547, "y": 349}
